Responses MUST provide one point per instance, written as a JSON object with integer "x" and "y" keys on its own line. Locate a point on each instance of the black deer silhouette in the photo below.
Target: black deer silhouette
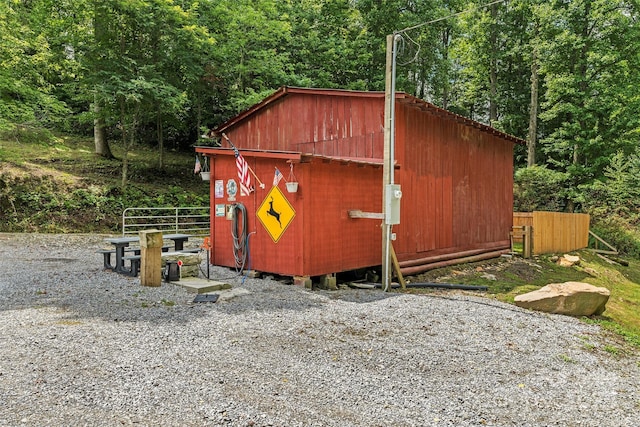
{"x": 273, "y": 213}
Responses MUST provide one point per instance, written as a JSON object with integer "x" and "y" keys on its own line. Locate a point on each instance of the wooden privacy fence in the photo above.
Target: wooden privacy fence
{"x": 552, "y": 231}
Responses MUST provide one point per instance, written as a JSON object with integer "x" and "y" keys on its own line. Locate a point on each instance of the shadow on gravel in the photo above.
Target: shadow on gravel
{"x": 64, "y": 272}
{"x": 361, "y": 296}
{"x": 80, "y": 291}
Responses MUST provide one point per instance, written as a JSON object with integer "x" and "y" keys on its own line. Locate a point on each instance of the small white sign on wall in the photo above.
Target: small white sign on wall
{"x": 219, "y": 189}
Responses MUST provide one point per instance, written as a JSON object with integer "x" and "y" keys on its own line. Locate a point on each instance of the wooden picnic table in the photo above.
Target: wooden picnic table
{"x": 121, "y": 243}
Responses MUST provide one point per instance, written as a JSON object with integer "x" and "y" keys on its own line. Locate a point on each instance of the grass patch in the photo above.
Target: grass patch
{"x": 566, "y": 359}
{"x": 611, "y": 349}
{"x": 517, "y": 276}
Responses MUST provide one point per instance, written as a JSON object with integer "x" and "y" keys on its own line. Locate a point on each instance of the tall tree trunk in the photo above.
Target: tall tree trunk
{"x": 198, "y": 119}
{"x": 99, "y": 133}
{"x": 99, "y": 129}
{"x": 160, "y": 135}
{"x": 533, "y": 105}
{"x": 125, "y": 143}
{"x": 445, "y": 55}
{"x": 493, "y": 67}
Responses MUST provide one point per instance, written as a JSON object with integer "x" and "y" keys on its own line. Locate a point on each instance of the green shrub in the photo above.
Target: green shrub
{"x": 616, "y": 231}
{"x": 26, "y": 134}
{"x": 540, "y": 188}
{"x": 614, "y": 203}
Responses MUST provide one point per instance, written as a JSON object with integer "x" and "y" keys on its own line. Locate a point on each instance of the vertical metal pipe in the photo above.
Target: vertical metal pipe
{"x": 392, "y": 124}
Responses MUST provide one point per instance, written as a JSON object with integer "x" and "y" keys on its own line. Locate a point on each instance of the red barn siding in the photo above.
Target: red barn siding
{"x": 332, "y": 240}
{"x": 456, "y": 178}
{"x": 456, "y": 182}
{"x": 341, "y": 126}
{"x": 286, "y": 256}
{"x": 335, "y": 241}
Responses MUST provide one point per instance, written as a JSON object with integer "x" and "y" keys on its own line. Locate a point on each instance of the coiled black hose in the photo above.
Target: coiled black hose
{"x": 239, "y": 232}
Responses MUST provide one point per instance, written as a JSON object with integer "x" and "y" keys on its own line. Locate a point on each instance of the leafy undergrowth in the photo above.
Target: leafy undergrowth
{"x": 62, "y": 186}
{"x": 506, "y": 278}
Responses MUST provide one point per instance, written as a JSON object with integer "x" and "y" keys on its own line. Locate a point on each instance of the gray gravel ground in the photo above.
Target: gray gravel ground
{"x": 83, "y": 346}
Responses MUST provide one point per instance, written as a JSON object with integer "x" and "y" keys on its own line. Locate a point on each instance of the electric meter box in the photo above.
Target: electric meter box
{"x": 392, "y": 196}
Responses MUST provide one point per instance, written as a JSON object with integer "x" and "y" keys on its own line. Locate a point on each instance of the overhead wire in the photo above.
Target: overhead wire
{"x": 443, "y": 18}
{"x": 415, "y": 56}
{"x": 405, "y": 35}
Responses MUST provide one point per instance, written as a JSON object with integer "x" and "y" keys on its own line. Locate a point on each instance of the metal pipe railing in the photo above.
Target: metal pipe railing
{"x": 193, "y": 220}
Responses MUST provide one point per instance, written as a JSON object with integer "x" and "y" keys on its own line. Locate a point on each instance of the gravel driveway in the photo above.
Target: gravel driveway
{"x": 83, "y": 346}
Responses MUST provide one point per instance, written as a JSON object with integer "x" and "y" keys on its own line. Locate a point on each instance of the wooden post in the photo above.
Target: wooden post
{"x": 396, "y": 267}
{"x": 150, "y": 257}
{"x": 527, "y": 242}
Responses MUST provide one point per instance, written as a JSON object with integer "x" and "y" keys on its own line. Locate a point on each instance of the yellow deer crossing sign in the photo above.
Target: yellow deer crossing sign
{"x": 275, "y": 213}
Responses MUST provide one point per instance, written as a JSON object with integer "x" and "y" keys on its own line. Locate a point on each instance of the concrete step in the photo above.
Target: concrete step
{"x": 201, "y": 286}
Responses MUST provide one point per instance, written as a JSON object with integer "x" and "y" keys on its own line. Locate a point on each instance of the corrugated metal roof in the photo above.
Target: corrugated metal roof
{"x": 401, "y": 97}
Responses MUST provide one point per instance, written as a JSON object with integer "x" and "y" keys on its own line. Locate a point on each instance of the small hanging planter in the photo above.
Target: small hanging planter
{"x": 292, "y": 184}
{"x": 292, "y": 187}
{"x": 205, "y": 174}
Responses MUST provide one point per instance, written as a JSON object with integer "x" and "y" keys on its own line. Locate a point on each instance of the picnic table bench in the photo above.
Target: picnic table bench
{"x": 135, "y": 259}
{"x": 121, "y": 245}
{"x": 108, "y": 252}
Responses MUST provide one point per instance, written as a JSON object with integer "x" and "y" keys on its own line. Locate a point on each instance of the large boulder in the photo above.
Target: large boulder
{"x": 570, "y": 298}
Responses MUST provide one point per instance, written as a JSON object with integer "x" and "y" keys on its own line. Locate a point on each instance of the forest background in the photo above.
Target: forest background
{"x": 143, "y": 79}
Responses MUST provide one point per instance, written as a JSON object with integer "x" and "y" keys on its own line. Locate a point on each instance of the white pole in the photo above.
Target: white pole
{"x": 389, "y": 154}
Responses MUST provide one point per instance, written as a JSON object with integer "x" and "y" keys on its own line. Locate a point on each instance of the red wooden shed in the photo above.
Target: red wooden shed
{"x": 456, "y": 177}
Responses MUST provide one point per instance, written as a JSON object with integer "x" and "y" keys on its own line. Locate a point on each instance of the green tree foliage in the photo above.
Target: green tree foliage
{"x": 144, "y": 58}
{"x": 617, "y": 192}
{"x": 328, "y": 44}
{"x": 162, "y": 71}
{"x": 587, "y": 51}
{"x": 26, "y": 67}
{"x": 252, "y": 39}
{"x": 493, "y": 56}
{"x": 614, "y": 202}
{"x": 425, "y": 64}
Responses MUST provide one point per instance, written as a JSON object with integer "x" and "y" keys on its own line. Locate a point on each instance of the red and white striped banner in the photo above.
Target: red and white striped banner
{"x": 243, "y": 173}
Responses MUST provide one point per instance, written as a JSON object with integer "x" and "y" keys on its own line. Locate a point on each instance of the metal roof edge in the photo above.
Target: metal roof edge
{"x": 289, "y": 155}
{"x": 269, "y": 154}
{"x": 347, "y": 160}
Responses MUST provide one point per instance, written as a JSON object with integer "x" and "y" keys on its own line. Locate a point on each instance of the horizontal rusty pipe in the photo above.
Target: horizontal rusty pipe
{"x": 408, "y": 271}
{"x": 445, "y": 257}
